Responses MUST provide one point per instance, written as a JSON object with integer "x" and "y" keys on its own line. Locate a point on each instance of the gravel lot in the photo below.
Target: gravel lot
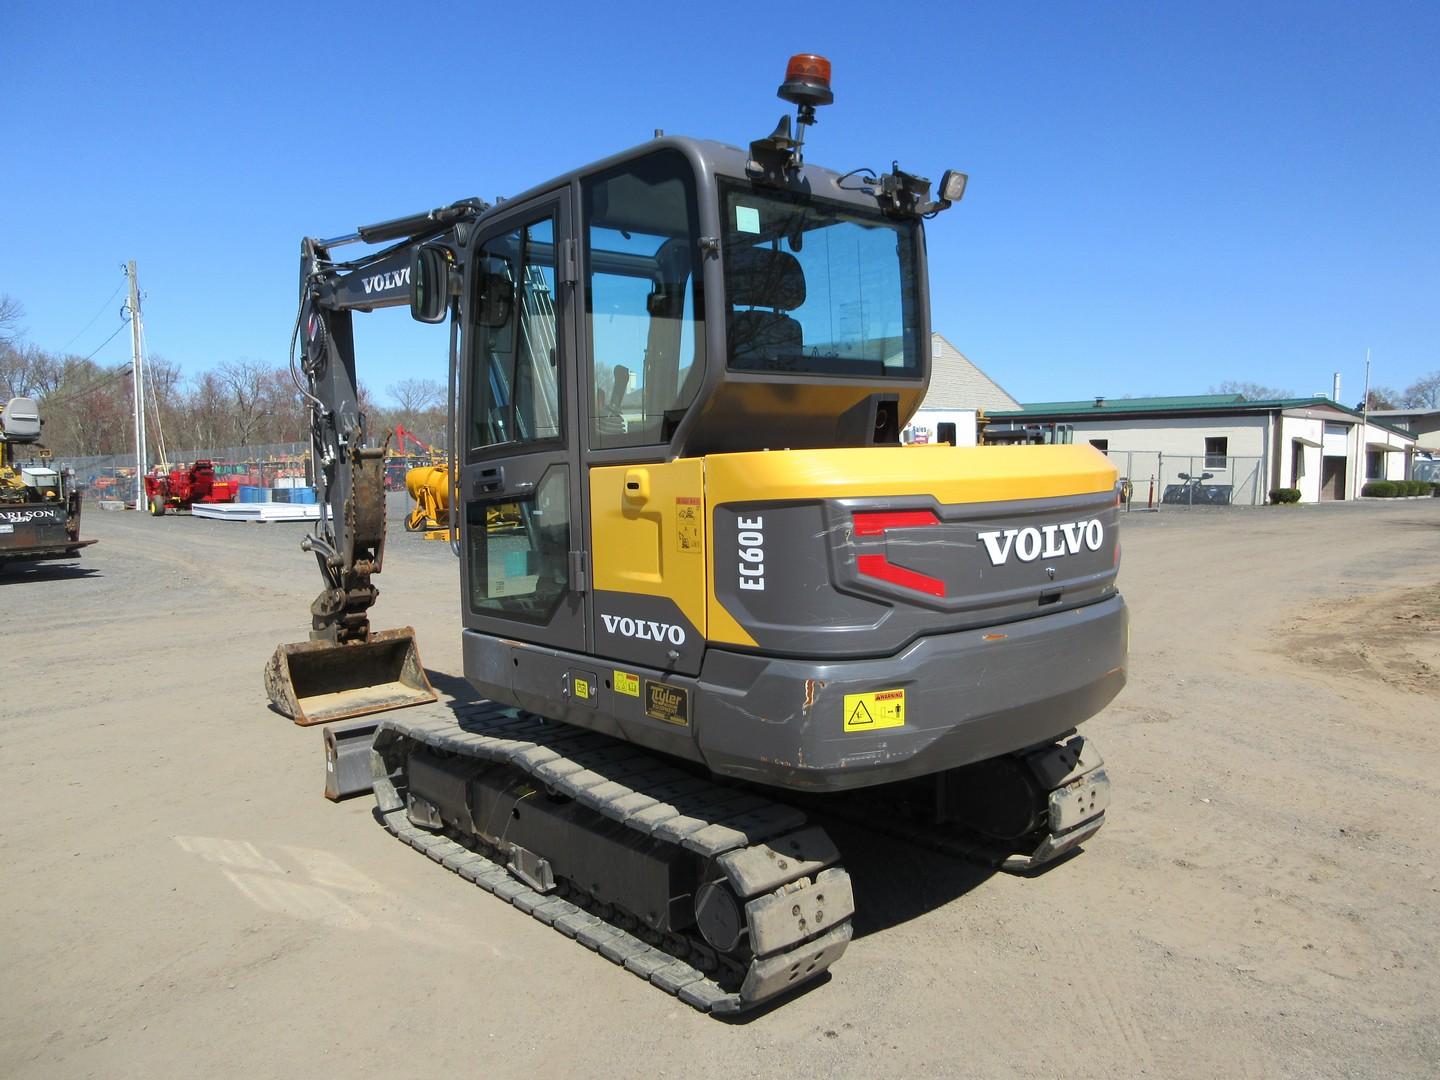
{"x": 178, "y": 899}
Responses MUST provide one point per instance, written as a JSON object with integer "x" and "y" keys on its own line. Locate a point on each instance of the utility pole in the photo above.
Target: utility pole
{"x": 1364, "y": 429}
{"x": 136, "y": 361}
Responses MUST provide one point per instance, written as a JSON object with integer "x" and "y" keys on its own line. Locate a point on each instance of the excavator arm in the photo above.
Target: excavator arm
{"x": 347, "y": 669}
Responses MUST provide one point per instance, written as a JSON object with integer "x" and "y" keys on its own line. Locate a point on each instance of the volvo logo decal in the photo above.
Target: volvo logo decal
{"x": 383, "y": 282}
{"x": 643, "y": 629}
{"x": 1050, "y": 541}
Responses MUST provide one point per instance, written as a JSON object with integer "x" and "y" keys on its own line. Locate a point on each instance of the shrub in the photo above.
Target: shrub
{"x": 1379, "y": 489}
{"x": 1419, "y": 487}
{"x": 1284, "y": 495}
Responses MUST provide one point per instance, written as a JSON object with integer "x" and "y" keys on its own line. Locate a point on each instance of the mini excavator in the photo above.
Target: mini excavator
{"x": 724, "y": 600}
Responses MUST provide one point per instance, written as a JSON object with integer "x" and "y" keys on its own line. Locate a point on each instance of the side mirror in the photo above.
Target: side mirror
{"x": 429, "y": 285}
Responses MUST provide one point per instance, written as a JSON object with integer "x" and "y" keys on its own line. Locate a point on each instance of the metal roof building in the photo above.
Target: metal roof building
{"x": 1247, "y": 448}
{"x": 956, "y": 383}
{"x": 958, "y": 391}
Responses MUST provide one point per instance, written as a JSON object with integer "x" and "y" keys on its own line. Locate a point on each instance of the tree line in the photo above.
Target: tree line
{"x": 1423, "y": 393}
{"x": 88, "y": 408}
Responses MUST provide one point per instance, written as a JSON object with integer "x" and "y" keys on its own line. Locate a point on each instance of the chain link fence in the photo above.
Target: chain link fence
{"x": 112, "y": 476}
{"x": 1156, "y": 481}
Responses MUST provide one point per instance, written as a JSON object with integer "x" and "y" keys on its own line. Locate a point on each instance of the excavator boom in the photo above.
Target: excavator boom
{"x": 346, "y": 669}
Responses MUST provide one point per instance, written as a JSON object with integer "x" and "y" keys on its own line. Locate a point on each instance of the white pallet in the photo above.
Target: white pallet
{"x": 257, "y": 511}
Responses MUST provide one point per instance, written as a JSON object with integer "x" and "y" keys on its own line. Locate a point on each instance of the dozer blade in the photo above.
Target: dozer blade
{"x": 315, "y": 682}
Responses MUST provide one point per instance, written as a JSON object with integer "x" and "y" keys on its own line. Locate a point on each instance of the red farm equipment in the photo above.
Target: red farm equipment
{"x": 181, "y": 488}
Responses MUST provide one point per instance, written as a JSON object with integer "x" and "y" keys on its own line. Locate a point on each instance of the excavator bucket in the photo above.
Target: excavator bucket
{"x": 315, "y": 682}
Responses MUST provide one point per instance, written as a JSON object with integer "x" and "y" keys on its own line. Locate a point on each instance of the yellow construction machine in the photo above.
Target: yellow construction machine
{"x": 39, "y": 504}
{"x": 731, "y": 605}
{"x": 429, "y": 487}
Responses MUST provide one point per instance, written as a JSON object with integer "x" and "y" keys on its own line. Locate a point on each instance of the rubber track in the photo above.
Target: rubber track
{"x": 672, "y": 805}
{"x": 951, "y": 841}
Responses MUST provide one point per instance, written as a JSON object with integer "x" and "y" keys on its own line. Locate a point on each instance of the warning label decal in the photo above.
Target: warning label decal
{"x": 878, "y": 709}
{"x": 626, "y": 683}
{"x": 687, "y": 523}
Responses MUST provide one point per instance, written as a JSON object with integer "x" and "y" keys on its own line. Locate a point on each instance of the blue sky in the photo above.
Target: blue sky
{"x": 1162, "y": 196}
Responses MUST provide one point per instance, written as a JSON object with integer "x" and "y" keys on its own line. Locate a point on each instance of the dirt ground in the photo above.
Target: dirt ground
{"x": 178, "y": 900}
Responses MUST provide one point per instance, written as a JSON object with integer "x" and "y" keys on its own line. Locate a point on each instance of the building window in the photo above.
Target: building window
{"x": 1374, "y": 464}
{"x": 1216, "y": 451}
{"x": 1103, "y": 445}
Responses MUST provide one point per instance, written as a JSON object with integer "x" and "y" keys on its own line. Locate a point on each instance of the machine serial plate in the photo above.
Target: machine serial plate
{"x": 668, "y": 703}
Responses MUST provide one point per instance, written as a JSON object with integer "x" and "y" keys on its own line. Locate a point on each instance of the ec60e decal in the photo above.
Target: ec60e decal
{"x": 752, "y": 552}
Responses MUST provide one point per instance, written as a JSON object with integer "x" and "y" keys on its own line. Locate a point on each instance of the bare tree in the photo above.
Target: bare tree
{"x": 87, "y": 408}
{"x": 244, "y": 382}
{"x": 365, "y": 400}
{"x": 417, "y": 395}
{"x": 288, "y": 416}
{"x": 205, "y": 413}
{"x": 16, "y": 371}
{"x": 1380, "y": 397}
{"x": 1423, "y": 393}
{"x": 420, "y": 408}
{"x": 10, "y": 315}
{"x": 1252, "y": 391}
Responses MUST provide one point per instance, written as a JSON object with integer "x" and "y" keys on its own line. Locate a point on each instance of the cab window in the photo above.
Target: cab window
{"x": 643, "y": 301}
{"x": 515, "y": 375}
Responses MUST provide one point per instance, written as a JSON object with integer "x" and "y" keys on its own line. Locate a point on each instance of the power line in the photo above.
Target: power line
{"x": 96, "y": 385}
{"x": 93, "y": 318}
{"x": 107, "y": 340}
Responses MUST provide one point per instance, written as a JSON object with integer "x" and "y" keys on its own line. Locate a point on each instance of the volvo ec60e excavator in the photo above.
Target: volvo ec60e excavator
{"x": 719, "y": 597}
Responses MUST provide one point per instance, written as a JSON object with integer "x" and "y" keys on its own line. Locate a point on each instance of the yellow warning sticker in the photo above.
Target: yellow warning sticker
{"x": 879, "y": 709}
{"x": 625, "y": 683}
{"x": 687, "y": 523}
{"x": 582, "y": 688}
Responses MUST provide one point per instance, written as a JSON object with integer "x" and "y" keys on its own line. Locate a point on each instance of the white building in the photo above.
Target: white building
{"x": 958, "y": 391}
{"x": 1424, "y": 424}
{"x": 1324, "y": 449}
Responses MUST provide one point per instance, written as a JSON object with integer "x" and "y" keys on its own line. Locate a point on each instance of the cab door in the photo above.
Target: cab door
{"x": 522, "y": 526}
